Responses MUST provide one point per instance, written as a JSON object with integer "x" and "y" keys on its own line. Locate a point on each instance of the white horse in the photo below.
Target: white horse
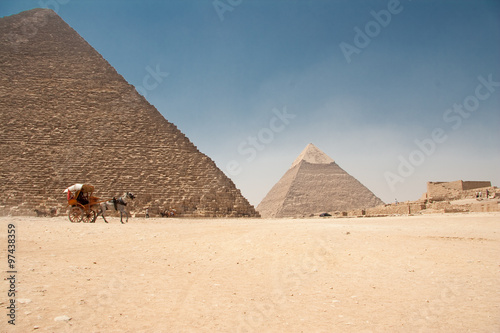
{"x": 117, "y": 204}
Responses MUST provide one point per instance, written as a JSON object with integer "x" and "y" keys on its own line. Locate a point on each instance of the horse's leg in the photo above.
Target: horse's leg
{"x": 122, "y": 211}
{"x": 103, "y": 209}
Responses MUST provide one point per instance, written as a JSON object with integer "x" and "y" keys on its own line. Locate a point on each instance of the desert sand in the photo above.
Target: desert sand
{"x": 430, "y": 273}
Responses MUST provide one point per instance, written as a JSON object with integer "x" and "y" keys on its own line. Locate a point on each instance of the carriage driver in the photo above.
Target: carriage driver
{"x": 83, "y": 198}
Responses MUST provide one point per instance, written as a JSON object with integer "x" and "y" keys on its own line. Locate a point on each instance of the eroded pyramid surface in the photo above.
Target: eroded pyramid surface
{"x": 68, "y": 117}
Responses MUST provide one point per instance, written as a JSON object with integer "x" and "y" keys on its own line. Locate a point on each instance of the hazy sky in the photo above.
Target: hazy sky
{"x": 398, "y": 93}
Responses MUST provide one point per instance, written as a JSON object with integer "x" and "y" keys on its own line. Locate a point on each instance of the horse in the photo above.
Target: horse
{"x": 116, "y": 204}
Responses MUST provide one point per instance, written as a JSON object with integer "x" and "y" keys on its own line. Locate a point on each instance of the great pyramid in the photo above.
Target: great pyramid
{"x": 68, "y": 117}
{"x": 315, "y": 184}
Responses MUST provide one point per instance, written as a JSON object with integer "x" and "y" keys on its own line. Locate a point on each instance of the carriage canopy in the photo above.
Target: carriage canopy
{"x": 84, "y": 188}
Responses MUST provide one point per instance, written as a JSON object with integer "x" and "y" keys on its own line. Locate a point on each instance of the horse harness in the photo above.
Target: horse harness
{"x": 117, "y": 202}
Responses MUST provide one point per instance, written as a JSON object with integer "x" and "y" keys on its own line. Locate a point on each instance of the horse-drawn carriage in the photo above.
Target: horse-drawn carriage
{"x": 85, "y": 207}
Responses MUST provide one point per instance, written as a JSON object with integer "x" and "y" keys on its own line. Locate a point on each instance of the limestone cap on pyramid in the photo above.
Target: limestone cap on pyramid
{"x": 314, "y": 155}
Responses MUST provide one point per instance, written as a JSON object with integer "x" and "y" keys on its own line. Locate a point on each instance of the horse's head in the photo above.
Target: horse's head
{"x": 130, "y": 195}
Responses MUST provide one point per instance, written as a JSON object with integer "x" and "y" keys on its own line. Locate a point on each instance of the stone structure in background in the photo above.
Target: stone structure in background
{"x": 443, "y": 197}
{"x": 315, "y": 184}
{"x": 440, "y": 191}
{"x": 68, "y": 117}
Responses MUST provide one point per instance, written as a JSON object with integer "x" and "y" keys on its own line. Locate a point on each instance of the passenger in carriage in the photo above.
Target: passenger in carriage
{"x": 82, "y": 198}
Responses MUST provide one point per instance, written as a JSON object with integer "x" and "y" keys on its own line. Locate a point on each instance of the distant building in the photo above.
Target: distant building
{"x": 459, "y": 189}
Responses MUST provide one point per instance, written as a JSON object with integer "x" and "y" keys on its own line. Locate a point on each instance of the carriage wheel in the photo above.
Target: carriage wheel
{"x": 89, "y": 216}
{"x": 75, "y": 214}
{"x": 95, "y": 209}
{"x": 94, "y": 216}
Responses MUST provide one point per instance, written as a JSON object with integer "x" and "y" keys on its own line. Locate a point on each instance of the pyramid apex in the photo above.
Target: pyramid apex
{"x": 314, "y": 155}
{"x": 37, "y": 12}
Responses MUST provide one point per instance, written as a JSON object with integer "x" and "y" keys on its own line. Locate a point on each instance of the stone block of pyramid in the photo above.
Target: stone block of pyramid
{"x": 315, "y": 184}
{"x": 68, "y": 117}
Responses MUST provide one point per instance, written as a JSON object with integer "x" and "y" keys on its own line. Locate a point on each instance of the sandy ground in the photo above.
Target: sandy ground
{"x": 435, "y": 273}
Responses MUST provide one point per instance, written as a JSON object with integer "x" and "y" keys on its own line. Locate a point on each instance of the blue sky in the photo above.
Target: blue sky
{"x": 252, "y": 82}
